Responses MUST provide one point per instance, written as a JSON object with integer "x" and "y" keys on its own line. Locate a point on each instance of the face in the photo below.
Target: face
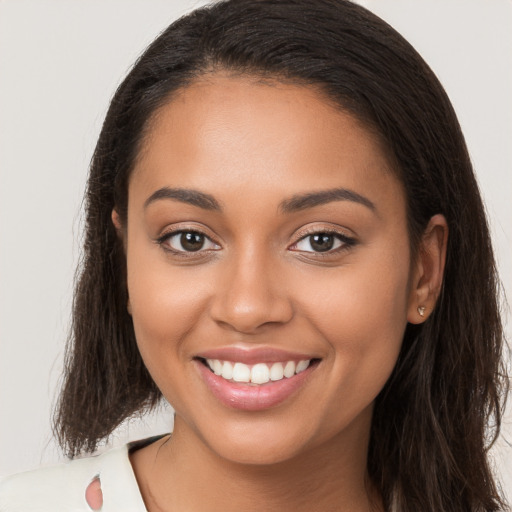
{"x": 268, "y": 268}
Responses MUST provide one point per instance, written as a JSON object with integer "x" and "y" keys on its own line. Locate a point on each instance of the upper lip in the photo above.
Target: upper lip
{"x": 253, "y": 355}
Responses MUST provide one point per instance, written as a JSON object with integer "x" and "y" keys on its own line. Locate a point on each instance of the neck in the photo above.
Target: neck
{"x": 182, "y": 473}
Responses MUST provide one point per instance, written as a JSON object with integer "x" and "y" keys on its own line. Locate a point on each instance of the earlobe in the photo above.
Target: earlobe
{"x": 427, "y": 278}
{"x": 116, "y": 221}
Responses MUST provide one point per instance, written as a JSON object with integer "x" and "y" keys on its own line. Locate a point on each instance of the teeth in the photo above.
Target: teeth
{"x": 289, "y": 369}
{"x": 241, "y": 372}
{"x": 260, "y": 373}
{"x": 215, "y": 365}
{"x": 227, "y": 370}
{"x": 276, "y": 371}
{"x": 301, "y": 366}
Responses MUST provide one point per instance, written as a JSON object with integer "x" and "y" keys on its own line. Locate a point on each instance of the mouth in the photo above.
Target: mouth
{"x": 254, "y": 385}
{"x": 259, "y": 373}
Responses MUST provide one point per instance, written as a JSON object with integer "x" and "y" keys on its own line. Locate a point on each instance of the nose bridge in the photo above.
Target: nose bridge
{"x": 251, "y": 293}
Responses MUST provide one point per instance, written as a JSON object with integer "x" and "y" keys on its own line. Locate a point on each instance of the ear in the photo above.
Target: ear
{"x": 116, "y": 220}
{"x": 428, "y": 270}
{"x": 120, "y": 228}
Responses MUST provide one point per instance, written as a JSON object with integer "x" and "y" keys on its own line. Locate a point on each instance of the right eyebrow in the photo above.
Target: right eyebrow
{"x": 184, "y": 195}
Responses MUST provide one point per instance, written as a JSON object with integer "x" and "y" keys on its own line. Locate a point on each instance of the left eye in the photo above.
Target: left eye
{"x": 320, "y": 242}
{"x": 189, "y": 241}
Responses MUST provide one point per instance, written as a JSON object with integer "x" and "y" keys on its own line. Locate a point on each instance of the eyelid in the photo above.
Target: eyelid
{"x": 178, "y": 230}
{"x": 347, "y": 240}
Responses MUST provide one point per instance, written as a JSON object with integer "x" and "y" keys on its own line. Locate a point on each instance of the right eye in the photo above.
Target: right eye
{"x": 187, "y": 241}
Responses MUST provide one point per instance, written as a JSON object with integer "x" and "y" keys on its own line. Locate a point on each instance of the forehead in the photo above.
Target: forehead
{"x": 273, "y": 138}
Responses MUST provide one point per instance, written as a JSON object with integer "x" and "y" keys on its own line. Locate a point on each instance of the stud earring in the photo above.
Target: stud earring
{"x": 421, "y": 310}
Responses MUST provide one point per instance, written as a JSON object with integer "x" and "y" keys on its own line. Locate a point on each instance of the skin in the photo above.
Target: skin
{"x": 257, "y": 283}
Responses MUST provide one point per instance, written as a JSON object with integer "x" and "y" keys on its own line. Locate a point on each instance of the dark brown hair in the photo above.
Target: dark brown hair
{"x": 441, "y": 408}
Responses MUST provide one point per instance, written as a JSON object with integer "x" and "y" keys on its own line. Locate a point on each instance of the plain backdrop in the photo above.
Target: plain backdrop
{"x": 60, "y": 62}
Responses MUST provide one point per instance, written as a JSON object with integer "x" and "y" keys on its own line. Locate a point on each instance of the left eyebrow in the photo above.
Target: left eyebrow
{"x": 312, "y": 199}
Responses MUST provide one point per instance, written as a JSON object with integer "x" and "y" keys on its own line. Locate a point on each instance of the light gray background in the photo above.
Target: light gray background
{"x": 60, "y": 62}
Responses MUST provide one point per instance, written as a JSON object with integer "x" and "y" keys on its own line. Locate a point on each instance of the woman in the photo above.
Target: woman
{"x": 281, "y": 219}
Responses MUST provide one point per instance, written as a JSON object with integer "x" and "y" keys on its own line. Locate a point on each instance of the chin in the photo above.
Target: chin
{"x": 263, "y": 441}
{"x": 256, "y": 452}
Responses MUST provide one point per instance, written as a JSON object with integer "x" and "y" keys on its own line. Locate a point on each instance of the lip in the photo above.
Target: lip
{"x": 250, "y": 397}
{"x": 253, "y": 355}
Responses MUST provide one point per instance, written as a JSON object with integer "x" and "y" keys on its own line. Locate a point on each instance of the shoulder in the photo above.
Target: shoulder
{"x": 62, "y": 487}
{"x": 48, "y": 488}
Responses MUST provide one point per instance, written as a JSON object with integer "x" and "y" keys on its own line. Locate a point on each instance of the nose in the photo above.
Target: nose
{"x": 252, "y": 294}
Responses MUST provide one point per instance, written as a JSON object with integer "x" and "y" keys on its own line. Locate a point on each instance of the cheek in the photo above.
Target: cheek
{"x": 360, "y": 302}
{"x": 361, "y": 313}
{"x": 165, "y": 303}
{"x": 165, "y": 307}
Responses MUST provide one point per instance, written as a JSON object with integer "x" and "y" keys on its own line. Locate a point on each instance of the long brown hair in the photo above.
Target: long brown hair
{"x": 441, "y": 408}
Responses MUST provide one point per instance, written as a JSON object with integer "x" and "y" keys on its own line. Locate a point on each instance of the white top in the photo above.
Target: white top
{"x": 61, "y": 488}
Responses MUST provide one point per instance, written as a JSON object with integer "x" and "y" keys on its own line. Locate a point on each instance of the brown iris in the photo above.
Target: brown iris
{"x": 321, "y": 242}
{"x": 191, "y": 241}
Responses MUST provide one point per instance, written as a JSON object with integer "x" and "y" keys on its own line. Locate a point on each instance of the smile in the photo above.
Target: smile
{"x": 265, "y": 379}
{"x": 260, "y": 373}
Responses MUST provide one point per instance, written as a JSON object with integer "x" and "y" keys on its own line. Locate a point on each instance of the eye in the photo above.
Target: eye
{"x": 187, "y": 241}
{"x": 322, "y": 242}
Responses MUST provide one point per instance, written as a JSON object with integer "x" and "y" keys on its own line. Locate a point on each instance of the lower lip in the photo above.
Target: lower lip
{"x": 239, "y": 395}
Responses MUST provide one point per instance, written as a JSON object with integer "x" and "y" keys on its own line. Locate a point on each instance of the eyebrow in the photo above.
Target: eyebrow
{"x": 184, "y": 195}
{"x": 309, "y": 200}
{"x": 295, "y": 203}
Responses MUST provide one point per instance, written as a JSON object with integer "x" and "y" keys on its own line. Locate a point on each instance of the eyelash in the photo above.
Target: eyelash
{"x": 166, "y": 237}
{"x": 346, "y": 242}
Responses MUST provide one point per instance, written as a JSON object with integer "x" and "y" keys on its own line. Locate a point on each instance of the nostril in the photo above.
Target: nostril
{"x": 94, "y": 495}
